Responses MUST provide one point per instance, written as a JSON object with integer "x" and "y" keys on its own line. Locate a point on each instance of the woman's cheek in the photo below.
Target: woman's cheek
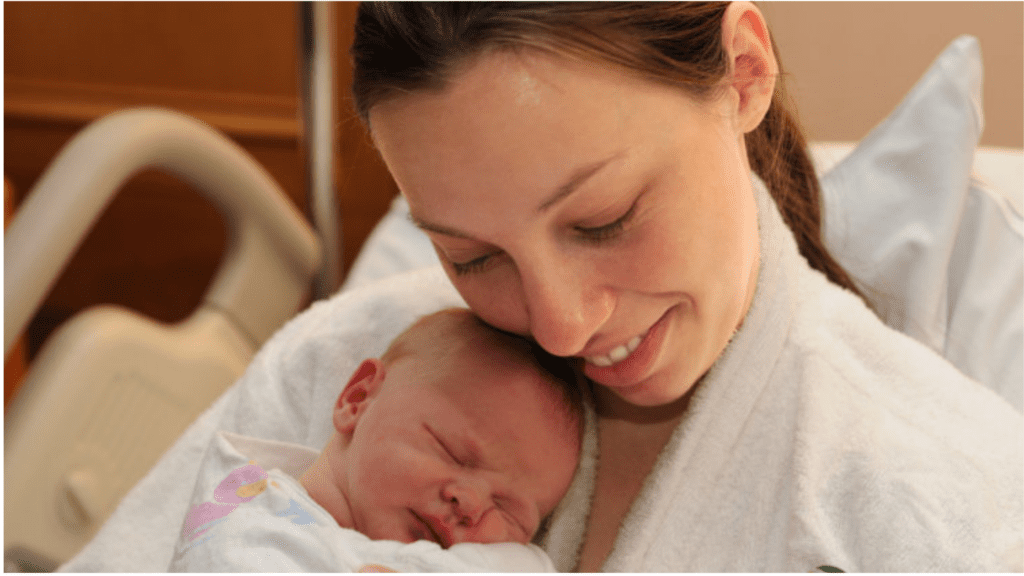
{"x": 496, "y": 296}
{"x": 647, "y": 261}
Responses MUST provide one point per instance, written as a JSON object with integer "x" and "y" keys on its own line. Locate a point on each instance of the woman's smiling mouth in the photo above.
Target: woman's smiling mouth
{"x": 628, "y": 364}
{"x": 618, "y": 354}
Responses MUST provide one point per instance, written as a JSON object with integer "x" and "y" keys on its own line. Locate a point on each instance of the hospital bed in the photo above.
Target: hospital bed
{"x": 70, "y": 449}
{"x": 111, "y": 389}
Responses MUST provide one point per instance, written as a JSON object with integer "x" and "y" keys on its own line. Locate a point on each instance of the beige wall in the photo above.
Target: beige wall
{"x": 850, "y": 63}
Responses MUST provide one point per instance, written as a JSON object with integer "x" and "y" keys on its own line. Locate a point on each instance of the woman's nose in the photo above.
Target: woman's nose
{"x": 566, "y": 304}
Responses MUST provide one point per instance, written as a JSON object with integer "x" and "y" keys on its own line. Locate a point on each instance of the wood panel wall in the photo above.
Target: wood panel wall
{"x": 234, "y": 65}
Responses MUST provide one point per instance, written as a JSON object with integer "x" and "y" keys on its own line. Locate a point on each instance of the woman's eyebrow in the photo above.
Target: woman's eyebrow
{"x": 576, "y": 179}
{"x": 437, "y": 228}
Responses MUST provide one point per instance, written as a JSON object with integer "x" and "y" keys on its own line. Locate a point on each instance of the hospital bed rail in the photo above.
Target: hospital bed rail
{"x": 110, "y": 390}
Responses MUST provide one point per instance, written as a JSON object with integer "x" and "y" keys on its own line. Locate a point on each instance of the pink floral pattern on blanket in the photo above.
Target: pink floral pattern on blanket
{"x": 241, "y": 485}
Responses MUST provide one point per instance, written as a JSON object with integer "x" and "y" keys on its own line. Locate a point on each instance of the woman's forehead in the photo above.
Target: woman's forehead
{"x": 520, "y": 79}
{"x": 505, "y": 104}
{"x": 508, "y": 122}
{"x": 479, "y": 160}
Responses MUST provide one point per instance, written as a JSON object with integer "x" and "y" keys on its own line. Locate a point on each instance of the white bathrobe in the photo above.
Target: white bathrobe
{"x": 821, "y": 438}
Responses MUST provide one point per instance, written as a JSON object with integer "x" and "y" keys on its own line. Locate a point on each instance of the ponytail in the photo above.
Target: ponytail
{"x": 778, "y": 155}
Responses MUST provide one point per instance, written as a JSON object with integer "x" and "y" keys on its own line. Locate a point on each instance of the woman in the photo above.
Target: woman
{"x": 624, "y": 184}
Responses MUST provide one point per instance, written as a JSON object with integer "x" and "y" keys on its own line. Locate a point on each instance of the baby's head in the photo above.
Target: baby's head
{"x": 458, "y": 433}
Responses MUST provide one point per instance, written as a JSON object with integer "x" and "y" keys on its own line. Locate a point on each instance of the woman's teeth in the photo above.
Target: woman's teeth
{"x": 618, "y": 354}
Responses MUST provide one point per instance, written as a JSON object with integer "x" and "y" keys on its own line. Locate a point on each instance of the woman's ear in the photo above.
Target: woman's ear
{"x": 752, "y": 63}
{"x": 355, "y": 397}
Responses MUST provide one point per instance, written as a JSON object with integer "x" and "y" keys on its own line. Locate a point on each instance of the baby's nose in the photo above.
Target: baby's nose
{"x": 484, "y": 526}
{"x": 473, "y": 517}
{"x": 467, "y": 499}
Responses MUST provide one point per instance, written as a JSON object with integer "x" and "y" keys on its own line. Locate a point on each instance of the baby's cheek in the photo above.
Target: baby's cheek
{"x": 494, "y": 527}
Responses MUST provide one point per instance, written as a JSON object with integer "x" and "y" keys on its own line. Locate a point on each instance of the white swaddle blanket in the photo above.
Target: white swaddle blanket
{"x": 821, "y": 437}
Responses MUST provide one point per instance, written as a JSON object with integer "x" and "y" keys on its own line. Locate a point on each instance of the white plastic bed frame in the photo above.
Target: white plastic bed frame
{"x": 111, "y": 390}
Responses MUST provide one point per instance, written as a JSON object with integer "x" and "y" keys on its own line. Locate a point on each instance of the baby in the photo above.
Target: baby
{"x": 458, "y": 436}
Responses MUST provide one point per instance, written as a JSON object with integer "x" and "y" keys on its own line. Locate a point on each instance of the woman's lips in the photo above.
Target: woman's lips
{"x": 618, "y": 354}
{"x": 630, "y": 362}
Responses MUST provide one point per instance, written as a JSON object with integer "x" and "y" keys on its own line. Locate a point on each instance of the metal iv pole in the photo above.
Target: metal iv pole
{"x": 317, "y": 64}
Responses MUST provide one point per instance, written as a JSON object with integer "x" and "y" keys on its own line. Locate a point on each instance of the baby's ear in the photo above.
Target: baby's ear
{"x": 356, "y": 396}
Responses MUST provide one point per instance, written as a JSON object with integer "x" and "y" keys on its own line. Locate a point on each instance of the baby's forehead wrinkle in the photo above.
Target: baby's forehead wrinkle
{"x": 492, "y": 449}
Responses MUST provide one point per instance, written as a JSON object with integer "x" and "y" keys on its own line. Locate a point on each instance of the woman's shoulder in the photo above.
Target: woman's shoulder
{"x": 899, "y": 452}
{"x": 853, "y": 362}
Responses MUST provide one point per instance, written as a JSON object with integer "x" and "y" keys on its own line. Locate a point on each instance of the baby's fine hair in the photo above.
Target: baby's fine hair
{"x": 449, "y": 329}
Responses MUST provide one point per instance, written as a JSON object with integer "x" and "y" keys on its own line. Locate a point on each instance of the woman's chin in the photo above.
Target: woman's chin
{"x": 652, "y": 400}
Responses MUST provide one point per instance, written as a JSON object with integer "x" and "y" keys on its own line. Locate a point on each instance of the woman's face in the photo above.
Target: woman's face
{"x": 608, "y": 217}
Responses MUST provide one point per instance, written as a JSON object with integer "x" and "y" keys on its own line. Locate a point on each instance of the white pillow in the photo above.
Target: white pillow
{"x": 937, "y": 252}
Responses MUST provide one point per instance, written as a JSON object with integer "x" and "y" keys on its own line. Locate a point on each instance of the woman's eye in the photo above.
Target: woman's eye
{"x": 474, "y": 265}
{"x": 607, "y": 231}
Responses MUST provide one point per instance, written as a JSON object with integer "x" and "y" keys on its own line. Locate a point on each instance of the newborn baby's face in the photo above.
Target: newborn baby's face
{"x": 478, "y": 452}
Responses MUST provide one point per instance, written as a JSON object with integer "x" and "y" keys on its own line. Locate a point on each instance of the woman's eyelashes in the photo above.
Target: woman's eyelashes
{"x": 471, "y": 266}
{"x": 589, "y": 234}
{"x": 607, "y": 231}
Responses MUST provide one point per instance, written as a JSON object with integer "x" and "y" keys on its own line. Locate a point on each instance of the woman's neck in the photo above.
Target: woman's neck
{"x": 630, "y": 439}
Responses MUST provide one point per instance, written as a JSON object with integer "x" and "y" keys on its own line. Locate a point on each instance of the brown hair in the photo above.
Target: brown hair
{"x": 403, "y": 47}
{"x": 445, "y": 333}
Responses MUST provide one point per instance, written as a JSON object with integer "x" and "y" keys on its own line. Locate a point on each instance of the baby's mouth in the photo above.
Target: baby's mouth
{"x": 434, "y": 530}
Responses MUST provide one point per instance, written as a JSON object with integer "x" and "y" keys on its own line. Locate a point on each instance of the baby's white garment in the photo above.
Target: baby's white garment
{"x": 250, "y": 514}
{"x": 821, "y": 437}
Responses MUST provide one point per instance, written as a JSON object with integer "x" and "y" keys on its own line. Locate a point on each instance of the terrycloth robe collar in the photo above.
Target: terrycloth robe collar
{"x": 699, "y": 448}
